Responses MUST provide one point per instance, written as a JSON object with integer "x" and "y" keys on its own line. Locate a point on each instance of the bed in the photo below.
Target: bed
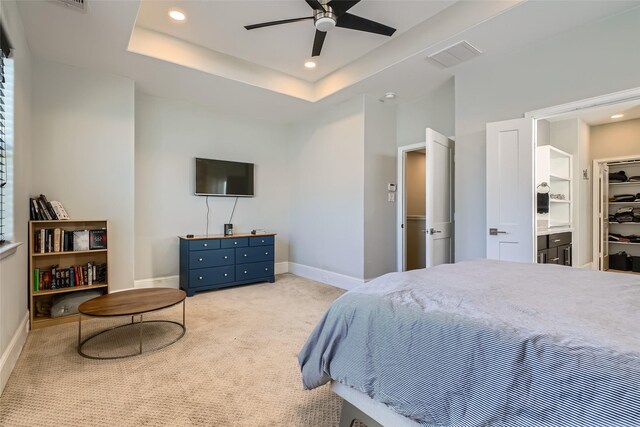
{"x": 484, "y": 343}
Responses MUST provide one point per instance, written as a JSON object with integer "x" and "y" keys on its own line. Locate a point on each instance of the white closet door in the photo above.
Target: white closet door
{"x": 510, "y": 190}
{"x": 603, "y": 216}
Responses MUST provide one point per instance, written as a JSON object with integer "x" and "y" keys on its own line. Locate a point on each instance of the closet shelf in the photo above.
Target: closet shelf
{"x": 559, "y": 201}
{"x": 624, "y": 223}
{"x": 624, "y": 183}
{"x": 623, "y": 243}
{"x": 624, "y": 203}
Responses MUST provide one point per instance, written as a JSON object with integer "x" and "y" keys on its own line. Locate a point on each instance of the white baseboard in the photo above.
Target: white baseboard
{"x": 11, "y": 354}
{"x": 325, "y": 276}
{"x": 282, "y": 267}
{"x": 158, "y": 282}
{"x": 588, "y": 266}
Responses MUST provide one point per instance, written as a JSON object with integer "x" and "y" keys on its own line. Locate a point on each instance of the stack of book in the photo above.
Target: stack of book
{"x": 58, "y": 240}
{"x": 40, "y": 209}
{"x": 77, "y": 275}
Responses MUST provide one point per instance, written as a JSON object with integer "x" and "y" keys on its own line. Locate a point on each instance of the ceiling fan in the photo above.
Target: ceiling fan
{"x": 327, "y": 16}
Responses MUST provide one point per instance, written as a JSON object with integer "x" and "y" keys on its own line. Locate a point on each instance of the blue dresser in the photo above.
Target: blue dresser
{"x": 218, "y": 261}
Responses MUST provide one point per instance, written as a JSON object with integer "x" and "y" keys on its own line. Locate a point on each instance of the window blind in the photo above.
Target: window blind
{"x": 6, "y": 124}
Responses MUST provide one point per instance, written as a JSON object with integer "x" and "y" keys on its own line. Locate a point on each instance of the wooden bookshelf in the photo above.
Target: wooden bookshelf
{"x": 64, "y": 260}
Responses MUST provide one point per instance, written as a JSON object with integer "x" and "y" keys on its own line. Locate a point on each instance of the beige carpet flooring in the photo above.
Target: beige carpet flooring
{"x": 236, "y": 366}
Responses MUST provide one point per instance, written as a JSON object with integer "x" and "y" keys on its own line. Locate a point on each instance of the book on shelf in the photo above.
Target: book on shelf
{"x": 69, "y": 277}
{"x": 40, "y": 209}
{"x": 48, "y": 240}
{"x": 98, "y": 239}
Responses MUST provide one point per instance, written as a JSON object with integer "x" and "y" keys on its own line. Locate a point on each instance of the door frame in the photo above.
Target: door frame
{"x": 594, "y": 207}
{"x": 401, "y": 235}
{"x": 576, "y": 106}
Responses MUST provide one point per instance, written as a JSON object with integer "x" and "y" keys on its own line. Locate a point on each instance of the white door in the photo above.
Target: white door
{"x": 603, "y": 216}
{"x": 510, "y": 190}
{"x": 439, "y": 200}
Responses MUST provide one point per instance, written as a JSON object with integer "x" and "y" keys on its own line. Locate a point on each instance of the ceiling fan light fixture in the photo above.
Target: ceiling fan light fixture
{"x": 325, "y": 21}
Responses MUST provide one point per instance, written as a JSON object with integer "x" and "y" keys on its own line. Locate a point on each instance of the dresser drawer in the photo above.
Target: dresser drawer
{"x": 559, "y": 239}
{"x": 254, "y": 254}
{"x": 542, "y": 242}
{"x": 204, "y": 245}
{"x": 261, "y": 241}
{"x": 235, "y": 243}
{"x": 254, "y": 271}
{"x": 214, "y": 258}
{"x": 211, "y": 276}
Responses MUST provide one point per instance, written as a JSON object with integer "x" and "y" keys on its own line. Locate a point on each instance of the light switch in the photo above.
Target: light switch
{"x": 391, "y": 197}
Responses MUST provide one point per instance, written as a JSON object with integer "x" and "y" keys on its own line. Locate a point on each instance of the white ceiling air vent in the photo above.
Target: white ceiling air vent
{"x": 80, "y": 5}
{"x": 455, "y": 54}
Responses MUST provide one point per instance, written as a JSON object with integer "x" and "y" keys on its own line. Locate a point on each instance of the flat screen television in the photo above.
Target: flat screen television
{"x": 223, "y": 178}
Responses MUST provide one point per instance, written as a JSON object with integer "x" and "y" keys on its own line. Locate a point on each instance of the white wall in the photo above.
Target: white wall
{"x": 435, "y": 110}
{"x": 83, "y": 152}
{"x": 326, "y": 161}
{"x": 380, "y": 154}
{"x": 13, "y": 269}
{"x": 591, "y": 60}
{"x": 572, "y": 136}
{"x": 169, "y": 135}
{"x": 618, "y": 139}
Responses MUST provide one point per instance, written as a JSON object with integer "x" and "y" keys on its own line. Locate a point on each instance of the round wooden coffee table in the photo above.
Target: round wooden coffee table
{"x": 136, "y": 302}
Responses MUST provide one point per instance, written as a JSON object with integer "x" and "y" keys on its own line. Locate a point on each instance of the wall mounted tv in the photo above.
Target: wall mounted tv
{"x": 223, "y": 178}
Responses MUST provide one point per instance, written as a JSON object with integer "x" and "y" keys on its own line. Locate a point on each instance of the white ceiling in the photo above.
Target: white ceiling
{"x": 103, "y": 39}
{"x": 219, "y": 26}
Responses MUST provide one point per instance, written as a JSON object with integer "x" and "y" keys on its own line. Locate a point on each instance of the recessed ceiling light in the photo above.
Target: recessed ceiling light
{"x": 389, "y": 95}
{"x": 177, "y": 15}
{"x": 310, "y": 64}
{"x": 617, "y": 116}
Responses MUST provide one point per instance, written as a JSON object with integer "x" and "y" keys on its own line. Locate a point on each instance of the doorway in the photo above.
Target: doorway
{"x": 559, "y": 157}
{"x": 425, "y": 203}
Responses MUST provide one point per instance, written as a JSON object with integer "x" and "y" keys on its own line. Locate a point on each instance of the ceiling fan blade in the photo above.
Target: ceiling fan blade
{"x": 354, "y": 22}
{"x": 315, "y": 4}
{"x": 340, "y": 7}
{"x": 284, "y": 21}
{"x": 318, "y": 41}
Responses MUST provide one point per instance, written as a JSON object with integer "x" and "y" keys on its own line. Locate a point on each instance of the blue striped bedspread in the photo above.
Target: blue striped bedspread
{"x": 488, "y": 343}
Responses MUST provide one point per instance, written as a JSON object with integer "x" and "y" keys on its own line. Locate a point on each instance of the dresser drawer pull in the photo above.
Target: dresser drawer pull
{"x": 245, "y": 254}
{"x": 245, "y": 272}
{"x": 225, "y": 274}
{"x": 200, "y": 278}
{"x": 262, "y": 241}
{"x": 226, "y": 257}
{"x": 205, "y": 245}
{"x": 556, "y": 240}
{"x": 266, "y": 253}
{"x": 200, "y": 259}
{"x": 554, "y": 259}
{"x": 266, "y": 269}
{"x": 235, "y": 243}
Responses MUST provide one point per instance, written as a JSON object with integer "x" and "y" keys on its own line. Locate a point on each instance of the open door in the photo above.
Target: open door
{"x": 603, "y": 216}
{"x": 439, "y": 200}
{"x": 510, "y": 206}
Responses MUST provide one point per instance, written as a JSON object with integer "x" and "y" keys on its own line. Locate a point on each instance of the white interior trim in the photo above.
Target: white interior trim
{"x": 324, "y": 276}
{"x": 401, "y": 204}
{"x": 11, "y": 354}
{"x": 8, "y": 249}
{"x": 584, "y": 104}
